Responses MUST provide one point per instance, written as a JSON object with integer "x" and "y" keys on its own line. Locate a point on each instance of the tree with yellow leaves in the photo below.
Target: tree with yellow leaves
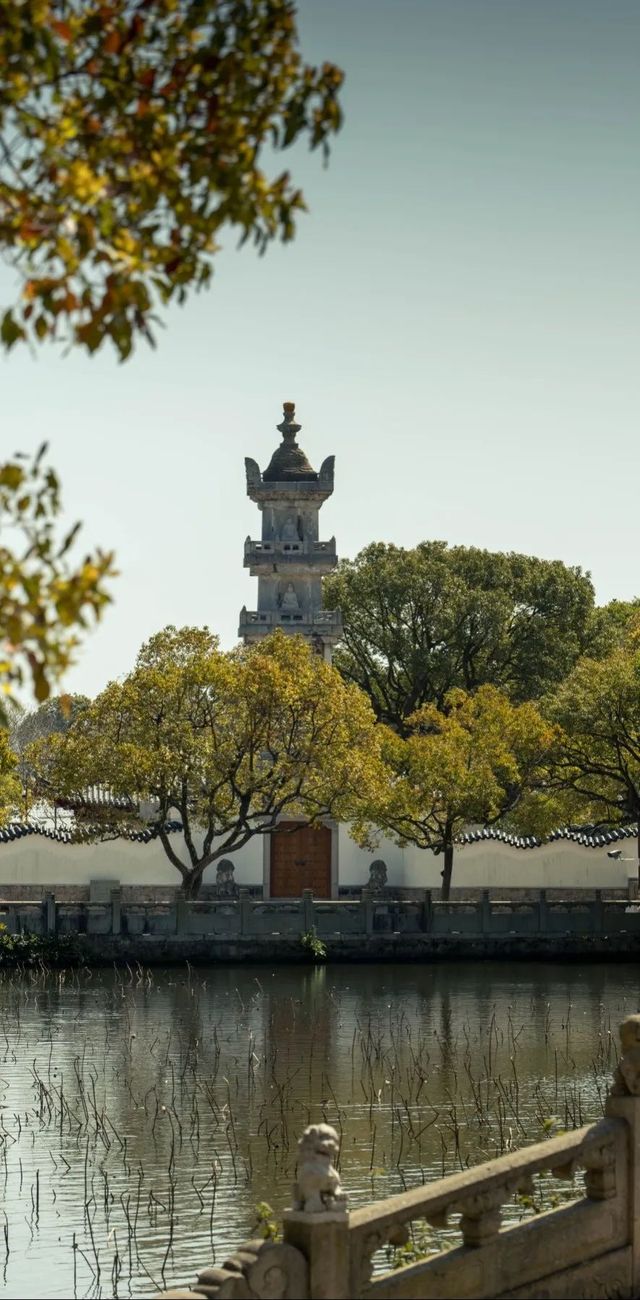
{"x": 227, "y": 743}
{"x": 45, "y": 600}
{"x": 474, "y": 760}
{"x": 10, "y": 785}
{"x": 131, "y": 133}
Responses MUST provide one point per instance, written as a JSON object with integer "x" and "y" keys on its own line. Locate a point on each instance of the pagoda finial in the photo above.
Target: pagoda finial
{"x": 288, "y": 428}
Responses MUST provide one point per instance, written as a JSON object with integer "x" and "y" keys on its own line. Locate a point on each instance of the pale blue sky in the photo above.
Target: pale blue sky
{"x": 457, "y": 321}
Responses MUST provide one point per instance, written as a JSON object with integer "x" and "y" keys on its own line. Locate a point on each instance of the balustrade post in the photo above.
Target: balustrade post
{"x": 50, "y": 913}
{"x": 366, "y": 911}
{"x": 485, "y": 912}
{"x": 543, "y": 912}
{"x": 181, "y": 913}
{"x": 427, "y": 912}
{"x": 623, "y": 1102}
{"x": 245, "y": 911}
{"x": 308, "y": 911}
{"x": 116, "y": 911}
{"x": 598, "y": 913}
{"x": 318, "y": 1223}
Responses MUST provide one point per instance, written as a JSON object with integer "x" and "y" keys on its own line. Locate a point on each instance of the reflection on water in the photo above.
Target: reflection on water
{"x": 144, "y": 1116}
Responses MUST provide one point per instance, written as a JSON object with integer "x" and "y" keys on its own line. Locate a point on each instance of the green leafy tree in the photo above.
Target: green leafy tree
{"x": 613, "y": 624}
{"x": 472, "y": 761}
{"x": 598, "y": 708}
{"x": 45, "y": 600}
{"x": 421, "y": 622}
{"x": 226, "y": 742}
{"x": 131, "y": 133}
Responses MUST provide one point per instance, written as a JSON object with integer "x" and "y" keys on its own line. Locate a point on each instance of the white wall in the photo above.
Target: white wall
{"x": 35, "y": 860}
{"x": 489, "y": 864}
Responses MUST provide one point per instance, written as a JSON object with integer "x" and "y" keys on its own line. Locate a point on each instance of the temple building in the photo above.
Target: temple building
{"x": 290, "y": 560}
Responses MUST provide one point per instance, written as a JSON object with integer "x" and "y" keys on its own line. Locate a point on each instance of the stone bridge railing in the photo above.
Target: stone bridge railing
{"x": 589, "y": 1247}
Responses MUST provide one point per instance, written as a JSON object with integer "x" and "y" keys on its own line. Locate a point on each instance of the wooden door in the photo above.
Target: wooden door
{"x": 300, "y": 859}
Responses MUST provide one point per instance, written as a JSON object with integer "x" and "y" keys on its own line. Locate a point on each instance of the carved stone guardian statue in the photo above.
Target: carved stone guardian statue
{"x": 626, "y": 1076}
{"x": 377, "y": 881}
{"x": 225, "y": 883}
{"x": 318, "y": 1189}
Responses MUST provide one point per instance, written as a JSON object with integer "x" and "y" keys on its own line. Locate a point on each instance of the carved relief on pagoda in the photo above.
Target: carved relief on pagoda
{"x": 287, "y": 599}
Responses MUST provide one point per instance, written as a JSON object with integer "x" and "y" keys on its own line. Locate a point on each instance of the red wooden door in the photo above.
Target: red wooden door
{"x": 300, "y": 859}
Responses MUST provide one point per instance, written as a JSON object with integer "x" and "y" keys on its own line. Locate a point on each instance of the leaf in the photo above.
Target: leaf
{"x": 62, "y": 29}
{"x": 11, "y": 476}
{"x": 10, "y": 330}
{"x": 113, "y": 42}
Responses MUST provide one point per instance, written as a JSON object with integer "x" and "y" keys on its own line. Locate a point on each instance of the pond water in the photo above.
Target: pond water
{"x": 144, "y": 1115}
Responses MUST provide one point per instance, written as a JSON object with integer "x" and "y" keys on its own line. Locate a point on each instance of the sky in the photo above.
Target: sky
{"x": 457, "y": 321}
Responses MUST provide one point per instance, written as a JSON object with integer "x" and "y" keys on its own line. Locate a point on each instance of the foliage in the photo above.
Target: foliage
{"x": 422, "y": 1242}
{"x": 613, "y": 624}
{"x": 313, "y": 945}
{"x": 227, "y": 742}
{"x": 421, "y": 622}
{"x": 471, "y": 761}
{"x": 131, "y": 132}
{"x": 598, "y": 708}
{"x": 44, "y": 600}
{"x": 265, "y": 1224}
{"x": 54, "y": 715}
{"x": 38, "y": 950}
{"x": 10, "y": 786}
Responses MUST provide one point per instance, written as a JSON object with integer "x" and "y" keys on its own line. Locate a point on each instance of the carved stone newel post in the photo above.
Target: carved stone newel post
{"x": 623, "y": 1102}
{"x": 318, "y": 1222}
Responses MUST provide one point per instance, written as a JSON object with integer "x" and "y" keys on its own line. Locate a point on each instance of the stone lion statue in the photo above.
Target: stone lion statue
{"x": 626, "y": 1076}
{"x": 225, "y": 883}
{"x": 317, "y": 1188}
{"x": 377, "y": 876}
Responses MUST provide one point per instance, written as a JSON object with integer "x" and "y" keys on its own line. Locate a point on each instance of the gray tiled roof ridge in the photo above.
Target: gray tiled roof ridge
{"x": 16, "y": 830}
{"x": 587, "y": 837}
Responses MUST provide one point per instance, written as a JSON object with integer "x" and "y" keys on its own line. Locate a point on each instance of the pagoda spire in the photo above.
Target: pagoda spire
{"x": 290, "y": 560}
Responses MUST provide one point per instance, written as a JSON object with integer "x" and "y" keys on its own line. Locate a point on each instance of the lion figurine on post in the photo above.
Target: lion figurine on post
{"x": 626, "y": 1076}
{"x": 318, "y": 1189}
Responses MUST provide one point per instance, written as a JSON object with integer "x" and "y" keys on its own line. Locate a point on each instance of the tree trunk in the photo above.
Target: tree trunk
{"x": 191, "y": 883}
{"x": 638, "y": 848}
{"x": 447, "y": 870}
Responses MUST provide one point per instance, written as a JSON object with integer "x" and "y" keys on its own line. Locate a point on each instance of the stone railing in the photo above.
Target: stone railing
{"x": 588, "y": 1247}
{"x": 285, "y": 551}
{"x": 242, "y": 916}
{"x": 319, "y": 619}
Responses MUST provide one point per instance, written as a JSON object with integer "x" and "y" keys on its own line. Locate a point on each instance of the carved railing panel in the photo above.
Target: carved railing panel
{"x": 478, "y": 1195}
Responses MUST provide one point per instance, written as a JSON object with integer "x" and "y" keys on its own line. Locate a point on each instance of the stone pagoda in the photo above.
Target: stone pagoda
{"x": 290, "y": 561}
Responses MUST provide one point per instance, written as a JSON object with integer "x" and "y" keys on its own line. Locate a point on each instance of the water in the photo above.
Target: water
{"x": 143, "y": 1116}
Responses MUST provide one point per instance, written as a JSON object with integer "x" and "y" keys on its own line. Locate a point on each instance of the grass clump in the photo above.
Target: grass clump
{"x": 313, "y": 945}
{"x": 38, "y": 950}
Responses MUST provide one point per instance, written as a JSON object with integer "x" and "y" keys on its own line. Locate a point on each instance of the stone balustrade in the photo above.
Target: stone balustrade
{"x": 306, "y": 621}
{"x": 589, "y": 1247}
{"x": 284, "y": 552}
{"x": 240, "y": 915}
